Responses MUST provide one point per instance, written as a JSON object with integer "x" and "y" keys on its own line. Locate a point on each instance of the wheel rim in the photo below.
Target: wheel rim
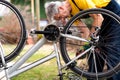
{"x": 105, "y": 40}
{"x": 12, "y": 32}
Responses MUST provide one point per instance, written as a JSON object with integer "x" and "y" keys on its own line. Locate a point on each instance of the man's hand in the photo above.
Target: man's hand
{"x": 98, "y": 19}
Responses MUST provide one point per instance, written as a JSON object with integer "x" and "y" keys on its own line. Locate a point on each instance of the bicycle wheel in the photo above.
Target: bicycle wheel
{"x": 101, "y": 57}
{"x": 12, "y": 30}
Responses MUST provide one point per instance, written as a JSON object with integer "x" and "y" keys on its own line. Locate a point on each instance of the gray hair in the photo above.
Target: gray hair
{"x": 51, "y": 8}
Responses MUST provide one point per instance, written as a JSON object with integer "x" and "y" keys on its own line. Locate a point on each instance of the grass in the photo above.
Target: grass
{"x": 42, "y": 72}
{"x": 45, "y": 71}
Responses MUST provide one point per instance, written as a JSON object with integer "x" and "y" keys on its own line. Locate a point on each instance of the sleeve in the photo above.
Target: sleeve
{"x": 90, "y": 4}
{"x": 86, "y": 4}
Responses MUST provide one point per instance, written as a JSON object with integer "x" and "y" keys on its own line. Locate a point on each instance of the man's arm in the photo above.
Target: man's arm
{"x": 84, "y": 29}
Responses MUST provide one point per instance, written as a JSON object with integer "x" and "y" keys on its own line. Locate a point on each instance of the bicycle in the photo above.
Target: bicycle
{"x": 98, "y": 44}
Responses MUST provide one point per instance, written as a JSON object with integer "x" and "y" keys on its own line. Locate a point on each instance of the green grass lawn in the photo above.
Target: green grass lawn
{"x": 45, "y": 71}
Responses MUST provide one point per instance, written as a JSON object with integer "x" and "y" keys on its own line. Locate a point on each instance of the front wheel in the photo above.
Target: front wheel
{"x": 101, "y": 57}
{"x": 12, "y": 30}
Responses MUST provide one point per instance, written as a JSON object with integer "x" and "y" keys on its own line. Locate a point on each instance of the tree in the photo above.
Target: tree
{"x": 21, "y": 2}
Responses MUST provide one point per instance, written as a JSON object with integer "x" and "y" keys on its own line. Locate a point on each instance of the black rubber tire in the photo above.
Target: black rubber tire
{"x": 64, "y": 51}
{"x": 10, "y": 55}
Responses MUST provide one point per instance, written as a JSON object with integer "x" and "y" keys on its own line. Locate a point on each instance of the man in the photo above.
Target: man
{"x": 71, "y": 7}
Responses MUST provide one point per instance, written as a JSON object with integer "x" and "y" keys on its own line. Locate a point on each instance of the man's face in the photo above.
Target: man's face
{"x": 63, "y": 14}
{"x": 63, "y": 11}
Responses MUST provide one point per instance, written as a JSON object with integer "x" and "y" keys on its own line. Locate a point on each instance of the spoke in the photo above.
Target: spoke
{"x": 104, "y": 54}
{"x": 89, "y": 55}
{"x": 103, "y": 27}
{"x": 113, "y": 49}
{"x": 111, "y": 67}
{"x": 113, "y": 37}
{"x": 75, "y": 58}
{"x": 95, "y": 63}
{"x": 99, "y": 61}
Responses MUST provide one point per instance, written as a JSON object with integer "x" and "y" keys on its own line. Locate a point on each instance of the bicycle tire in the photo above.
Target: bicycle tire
{"x": 65, "y": 50}
{"x": 13, "y": 39}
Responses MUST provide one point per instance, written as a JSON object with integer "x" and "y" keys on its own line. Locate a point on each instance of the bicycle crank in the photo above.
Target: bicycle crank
{"x": 53, "y": 32}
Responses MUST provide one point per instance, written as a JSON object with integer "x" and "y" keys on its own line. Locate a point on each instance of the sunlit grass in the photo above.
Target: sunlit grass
{"x": 45, "y": 71}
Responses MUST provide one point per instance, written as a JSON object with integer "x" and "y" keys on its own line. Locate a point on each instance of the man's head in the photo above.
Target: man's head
{"x": 51, "y": 8}
{"x": 56, "y": 10}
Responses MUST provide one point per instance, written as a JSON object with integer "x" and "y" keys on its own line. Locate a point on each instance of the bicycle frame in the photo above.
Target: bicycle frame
{"x": 15, "y": 69}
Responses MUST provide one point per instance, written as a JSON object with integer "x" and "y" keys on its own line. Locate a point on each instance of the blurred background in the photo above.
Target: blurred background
{"x": 33, "y": 12}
